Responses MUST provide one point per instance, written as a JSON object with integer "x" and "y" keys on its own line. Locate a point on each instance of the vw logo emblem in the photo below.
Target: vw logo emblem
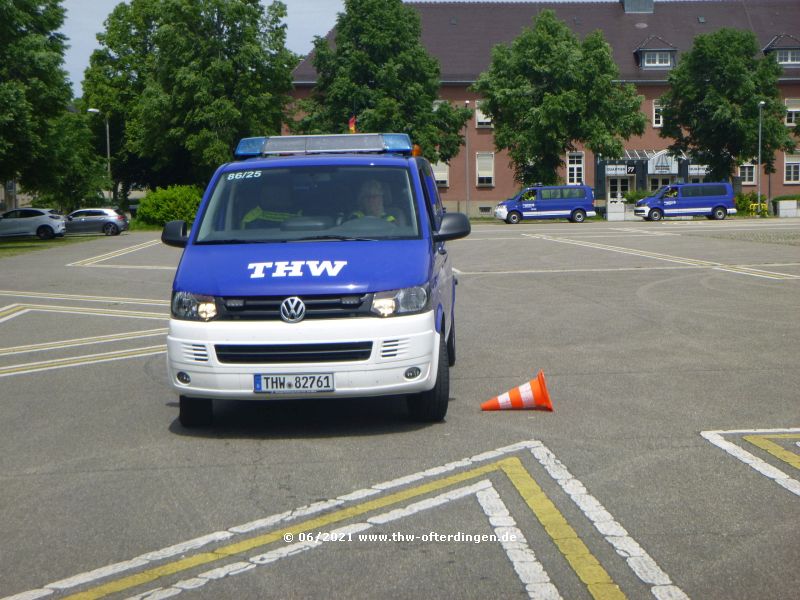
{"x": 293, "y": 310}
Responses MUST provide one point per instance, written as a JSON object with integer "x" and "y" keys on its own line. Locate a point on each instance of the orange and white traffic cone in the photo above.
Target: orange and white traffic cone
{"x": 531, "y": 396}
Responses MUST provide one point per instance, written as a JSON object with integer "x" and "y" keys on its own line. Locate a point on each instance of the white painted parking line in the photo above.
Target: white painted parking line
{"x": 670, "y": 258}
{"x": 82, "y": 298}
{"x": 718, "y": 438}
{"x": 449, "y": 482}
{"x": 114, "y": 254}
{"x": 99, "y": 339}
{"x": 77, "y": 361}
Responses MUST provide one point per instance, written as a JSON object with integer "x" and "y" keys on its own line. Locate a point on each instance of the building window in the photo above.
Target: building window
{"x": 485, "y": 168}
{"x": 747, "y": 173}
{"x": 618, "y": 187}
{"x": 792, "y": 112}
{"x": 575, "y": 168}
{"x": 441, "y": 173}
{"x": 791, "y": 168}
{"x": 788, "y": 57}
{"x": 658, "y": 60}
{"x": 656, "y": 183}
{"x": 482, "y": 119}
{"x": 658, "y": 118}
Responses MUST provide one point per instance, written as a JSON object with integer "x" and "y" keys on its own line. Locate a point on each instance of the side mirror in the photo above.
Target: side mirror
{"x": 453, "y": 227}
{"x": 174, "y": 234}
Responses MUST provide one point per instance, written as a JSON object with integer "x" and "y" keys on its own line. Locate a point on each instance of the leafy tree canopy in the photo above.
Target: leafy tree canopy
{"x": 379, "y": 71}
{"x": 547, "y": 91}
{"x": 711, "y": 109}
{"x": 183, "y": 80}
{"x": 33, "y": 85}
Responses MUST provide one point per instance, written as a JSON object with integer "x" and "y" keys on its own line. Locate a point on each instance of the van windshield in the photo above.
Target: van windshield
{"x": 310, "y": 203}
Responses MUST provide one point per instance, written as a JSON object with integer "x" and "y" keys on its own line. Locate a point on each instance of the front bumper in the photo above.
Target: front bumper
{"x": 398, "y": 343}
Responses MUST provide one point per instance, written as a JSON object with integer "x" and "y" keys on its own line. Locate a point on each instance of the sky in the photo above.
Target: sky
{"x": 85, "y": 18}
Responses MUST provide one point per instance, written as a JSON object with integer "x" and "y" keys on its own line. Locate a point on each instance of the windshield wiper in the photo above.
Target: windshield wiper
{"x": 238, "y": 241}
{"x": 341, "y": 238}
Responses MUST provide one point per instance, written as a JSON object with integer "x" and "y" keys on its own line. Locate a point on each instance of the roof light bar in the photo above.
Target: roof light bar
{"x": 249, "y": 147}
{"x": 398, "y": 143}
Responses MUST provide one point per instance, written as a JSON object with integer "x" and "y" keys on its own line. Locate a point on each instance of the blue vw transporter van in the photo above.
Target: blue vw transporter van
{"x": 711, "y": 200}
{"x": 573, "y": 202}
{"x": 316, "y": 267}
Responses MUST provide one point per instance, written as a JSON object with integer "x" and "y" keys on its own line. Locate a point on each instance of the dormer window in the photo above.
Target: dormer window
{"x": 656, "y": 53}
{"x": 788, "y": 56}
{"x": 657, "y": 60}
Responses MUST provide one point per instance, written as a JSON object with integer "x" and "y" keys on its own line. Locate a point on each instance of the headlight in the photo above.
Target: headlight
{"x": 400, "y": 302}
{"x": 193, "y": 307}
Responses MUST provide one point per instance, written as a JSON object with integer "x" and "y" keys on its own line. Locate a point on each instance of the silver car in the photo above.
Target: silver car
{"x": 44, "y": 223}
{"x": 96, "y": 220}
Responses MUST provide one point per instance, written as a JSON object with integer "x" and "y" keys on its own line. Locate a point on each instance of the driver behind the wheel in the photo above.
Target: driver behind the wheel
{"x": 371, "y": 202}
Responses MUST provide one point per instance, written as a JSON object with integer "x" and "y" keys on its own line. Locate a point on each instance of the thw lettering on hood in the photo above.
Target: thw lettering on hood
{"x": 296, "y": 268}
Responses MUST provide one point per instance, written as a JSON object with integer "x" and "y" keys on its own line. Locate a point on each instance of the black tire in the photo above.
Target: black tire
{"x": 45, "y": 233}
{"x": 656, "y": 214}
{"x": 578, "y": 215}
{"x": 196, "y": 412}
{"x": 513, "y": 218}
{"x": 719, "y": 213}
{"x": 451, "y": 345}
{"x": 431, "y": 406}
{"x": 110, "y": 229}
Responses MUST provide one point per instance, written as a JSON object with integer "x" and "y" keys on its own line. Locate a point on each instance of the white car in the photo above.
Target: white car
{"x": 44, "y": 223}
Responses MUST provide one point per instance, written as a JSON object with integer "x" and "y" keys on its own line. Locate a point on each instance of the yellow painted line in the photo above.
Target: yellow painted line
{"x": 580, "y": 559}
{"x": 83, "y": 298}
{"x": 113, "y": 254}
{"x": 100, "y": 339}
{"x": 585, "y": 565}
{"x": 779, "y": 452}
{"x": 103, "y": 312}
{"x": 11, "y": 310}
{"x": 80, "y": 360}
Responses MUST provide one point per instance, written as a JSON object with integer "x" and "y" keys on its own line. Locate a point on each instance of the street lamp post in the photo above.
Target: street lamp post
{"x": 760, "y": 170}
{"x": 97, "y": 111}
{"x": 466, "y": 152}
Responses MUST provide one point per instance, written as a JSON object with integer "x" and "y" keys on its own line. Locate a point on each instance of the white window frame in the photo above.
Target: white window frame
{"x": 657, "y": 59}
{"x": 482, "y": 120}
{"x": 441, "y": 174}
{"x": 575, "y": 168}
{"x": 792, "y": 112}
{"x": 788, "y": 56}
{"x": 791, "y": 168}
{"x": 484, "y": 169}
{"x": 658, "y": 117}
{"x": 747, "y": 173}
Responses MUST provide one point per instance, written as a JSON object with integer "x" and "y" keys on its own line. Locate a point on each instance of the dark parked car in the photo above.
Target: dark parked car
{"x": 96, "y": 220}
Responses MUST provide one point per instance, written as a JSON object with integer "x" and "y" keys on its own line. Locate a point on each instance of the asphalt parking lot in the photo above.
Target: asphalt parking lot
{"x": 669, "y": 468}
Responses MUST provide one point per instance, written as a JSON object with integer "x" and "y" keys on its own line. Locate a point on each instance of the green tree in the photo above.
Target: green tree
{"x": 711, "y": 108}
{"x": 183, "y": 80}
{"x": 379, "y": 72}
{"x": 548, "y": 91}
{"x": 75, "y": 173}
{"x": 33, "y": 86}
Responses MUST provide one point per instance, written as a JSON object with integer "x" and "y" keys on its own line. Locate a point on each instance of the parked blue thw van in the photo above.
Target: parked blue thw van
{"x": 711, "y": 200}
{"x": 317, "y": 266}
{"x": 573, "y": 202}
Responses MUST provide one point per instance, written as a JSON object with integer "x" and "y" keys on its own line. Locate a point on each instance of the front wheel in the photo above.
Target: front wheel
{"x": 578, "y": 216}
{"x": 513, "y": 218}
{"x": 719, "y": 213}
{"x": 195, "y": 412}
{"x": 45, "y": 233}
{"x": 110, "y": 229}
{"x": 431, "y": 406}
{"x": 656, "y": 214}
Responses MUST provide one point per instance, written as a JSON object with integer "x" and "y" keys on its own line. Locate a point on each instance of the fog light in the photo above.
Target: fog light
{"x": 412, "y": 373}
{"x": 183, "y": 377}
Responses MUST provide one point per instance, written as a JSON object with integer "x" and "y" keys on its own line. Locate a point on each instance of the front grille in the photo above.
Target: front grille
{"x": 195, "y": 352}
{"x": 292, "y": 353}
{"x": 268, "y": 308}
